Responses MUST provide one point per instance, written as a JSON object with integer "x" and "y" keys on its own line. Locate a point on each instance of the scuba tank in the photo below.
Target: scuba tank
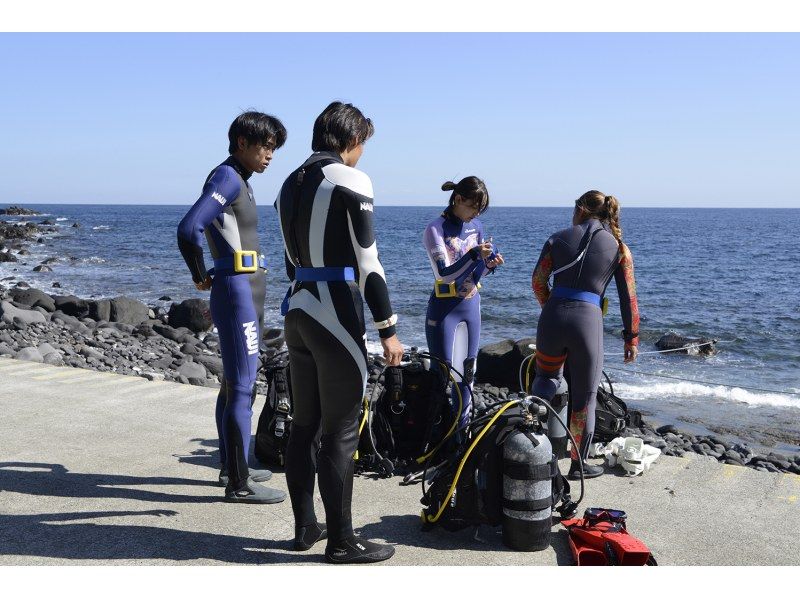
{"x": 528, "y": 471}
{"x": 554, "y": 430}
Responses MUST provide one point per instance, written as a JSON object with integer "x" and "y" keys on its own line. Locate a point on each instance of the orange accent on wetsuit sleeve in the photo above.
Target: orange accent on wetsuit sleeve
{"x": 548, "y": 363}
{"x": 552, "y": 359}
{"x": 541, "y": 274}
{"x": 626, "y": 289}
{"x": 548, "y": 367}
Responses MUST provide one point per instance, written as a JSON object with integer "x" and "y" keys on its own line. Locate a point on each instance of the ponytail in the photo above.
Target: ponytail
{"x": 470, "y": 188}
{"x": 603, "y": 207}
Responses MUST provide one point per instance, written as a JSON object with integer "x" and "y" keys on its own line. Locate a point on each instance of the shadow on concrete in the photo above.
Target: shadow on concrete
{"x": 559, "y": 541}
{"x": 51, "y": 479}
{"x": 407, "y": 530}
{"x": 52, "y": 535}
{"x": 203, "y": 457}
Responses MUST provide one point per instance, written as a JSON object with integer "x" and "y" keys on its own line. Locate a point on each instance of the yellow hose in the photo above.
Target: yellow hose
{"x": 452, "y": 427}
{"x": 475, "y": 442}
{"x": 527, "y": 388}
{"x": 361, "y": 425}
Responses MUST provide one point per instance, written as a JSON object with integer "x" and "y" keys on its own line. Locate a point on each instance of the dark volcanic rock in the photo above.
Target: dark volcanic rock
{"x": 194, "y": 314}
{"x": 42, "y": 268}
{"x": 100, "y": 310}
{"x": 273, "y": 337}
{"x": 7, "y": 256}
{"x": 687, "y": 344}
{"x": 212, "y": 363}
{"x": 129, "y": 311}
{"x": 33, "y": 298}
{"x": 18, "y": 211}
{"x": 71, "y": 305}
{"x": 499, "y": 363}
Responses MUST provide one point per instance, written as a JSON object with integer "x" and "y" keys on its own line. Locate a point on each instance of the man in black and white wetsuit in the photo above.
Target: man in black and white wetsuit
{"x": 325, "y": 209}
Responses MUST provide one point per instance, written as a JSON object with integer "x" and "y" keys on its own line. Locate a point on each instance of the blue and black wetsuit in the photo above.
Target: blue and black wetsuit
{"x": 453, "y": 323}
{"x": 226, "y": 214}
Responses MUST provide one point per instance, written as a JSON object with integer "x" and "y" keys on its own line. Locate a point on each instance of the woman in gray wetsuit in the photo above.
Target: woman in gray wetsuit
{"x": 582, "y": 260}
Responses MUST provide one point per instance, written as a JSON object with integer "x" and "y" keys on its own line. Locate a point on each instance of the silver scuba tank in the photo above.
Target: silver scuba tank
{"x": 528, "y": 485}
{"x": 554, "y": 430}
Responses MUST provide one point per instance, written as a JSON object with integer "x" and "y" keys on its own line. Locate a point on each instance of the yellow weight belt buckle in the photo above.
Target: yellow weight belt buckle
{"x": 245, "y": 261}
{"x": 445, "y": 290}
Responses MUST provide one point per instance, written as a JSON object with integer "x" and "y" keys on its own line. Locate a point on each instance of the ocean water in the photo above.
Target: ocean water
{"x": 728, "y": 274}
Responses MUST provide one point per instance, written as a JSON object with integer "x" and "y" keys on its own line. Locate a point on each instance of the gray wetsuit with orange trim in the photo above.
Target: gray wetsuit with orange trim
{"x": 582, "y": 260}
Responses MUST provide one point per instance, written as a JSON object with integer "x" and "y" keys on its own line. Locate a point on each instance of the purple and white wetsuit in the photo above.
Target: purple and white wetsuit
{"x": 453, "y": 324}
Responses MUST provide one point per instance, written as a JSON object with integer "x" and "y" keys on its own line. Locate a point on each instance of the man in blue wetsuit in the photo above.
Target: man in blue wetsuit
{"x": 226, "y": 215}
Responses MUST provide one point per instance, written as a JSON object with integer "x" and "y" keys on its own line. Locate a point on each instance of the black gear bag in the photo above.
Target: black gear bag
{"x": 274, "y": 423}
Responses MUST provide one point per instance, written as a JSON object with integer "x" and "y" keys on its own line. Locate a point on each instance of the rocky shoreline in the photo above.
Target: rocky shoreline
{"x": 126, "y": 336}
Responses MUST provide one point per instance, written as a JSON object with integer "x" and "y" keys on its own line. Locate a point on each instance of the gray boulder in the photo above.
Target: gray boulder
{"x": 173, "y": 334}
{"x": 100, "y": 310}
{"x": 194, "y": 314}
{"x": 211, "y": 362}
{"x": 42, "y": 268}
{"x": 8, "y": 312}
{"x": 128, "y": 311}
{"x": 499, "y": 363}
{"x": 72, "y": 305}
{"x": 32, "y": 298}
{"x": 30, "y": 354}
{"x": 53, "y": 358}
{"x": 45, "y": 348}
{"x": 190, "y": 369}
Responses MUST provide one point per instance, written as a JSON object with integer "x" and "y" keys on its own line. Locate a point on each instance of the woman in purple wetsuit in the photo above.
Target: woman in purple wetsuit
{"x": 459, "y": 255}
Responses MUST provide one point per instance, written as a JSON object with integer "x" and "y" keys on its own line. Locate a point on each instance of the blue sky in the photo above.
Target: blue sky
{"x": 655, "y": 119}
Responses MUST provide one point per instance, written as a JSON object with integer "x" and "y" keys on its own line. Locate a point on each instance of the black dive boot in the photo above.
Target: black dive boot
{"x": 335, "y": 471}
{"x": 306, "y": 536}
{"x": 353, "y": 551}
{"x": 589, "y": 471}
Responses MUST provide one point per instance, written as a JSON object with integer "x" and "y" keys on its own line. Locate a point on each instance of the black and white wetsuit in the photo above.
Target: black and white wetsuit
{"x": 325, "y": 210}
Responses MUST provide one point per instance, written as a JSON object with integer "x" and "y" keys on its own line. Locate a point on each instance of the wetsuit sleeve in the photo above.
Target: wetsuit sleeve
{"x": 221, "y": 188}
{"x": 626, "y": 289}
{"x": 370, "y": 275}
{"x": 541, "y": 274}
{"x": 480, "y": 264}
{"x": 434, "y": 245}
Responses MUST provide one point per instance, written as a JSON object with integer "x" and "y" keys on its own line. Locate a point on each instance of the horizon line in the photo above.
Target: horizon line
{"x": 394, "y": 205}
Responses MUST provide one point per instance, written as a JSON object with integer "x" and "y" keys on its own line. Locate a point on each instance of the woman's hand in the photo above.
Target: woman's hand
{"x": 631, "y": 352}
{"x": 392, "y": 350}
{"x": 485, "y": 249}
{"x": 496, "y": 261}
{"x": 205, "y": 285}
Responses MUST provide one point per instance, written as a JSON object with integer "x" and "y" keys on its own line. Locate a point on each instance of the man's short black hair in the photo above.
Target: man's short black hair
{"x": 340, "y": 127}
{"x": 256, "y": 127}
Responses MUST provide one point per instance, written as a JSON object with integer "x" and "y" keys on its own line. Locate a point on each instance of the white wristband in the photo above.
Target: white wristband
{"x": 386, "y": 323}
